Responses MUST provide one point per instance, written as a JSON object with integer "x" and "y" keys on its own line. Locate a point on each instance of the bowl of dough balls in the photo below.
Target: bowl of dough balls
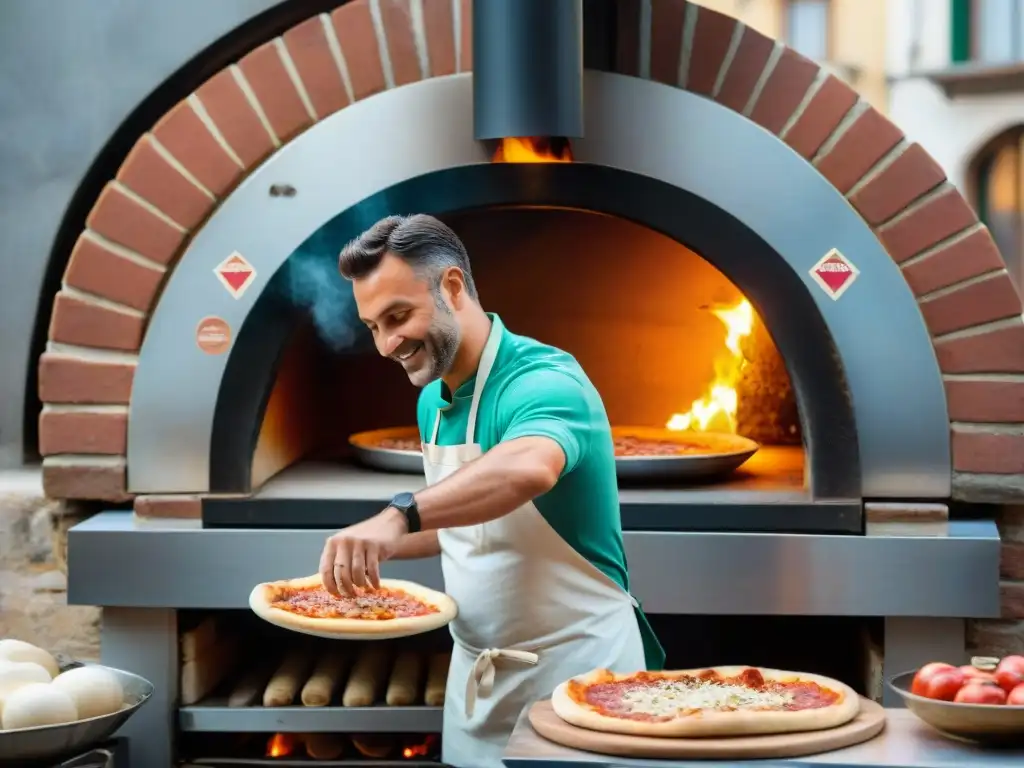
{"x": 49, "y": 712}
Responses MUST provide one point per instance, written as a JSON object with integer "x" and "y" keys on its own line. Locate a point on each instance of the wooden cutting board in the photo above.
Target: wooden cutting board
{"x": 868, "y": 724}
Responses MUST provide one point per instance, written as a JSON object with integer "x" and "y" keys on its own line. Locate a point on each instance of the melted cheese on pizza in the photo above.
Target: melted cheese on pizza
{"x": 368, "y": 605}
{"x": 670, "y": 696}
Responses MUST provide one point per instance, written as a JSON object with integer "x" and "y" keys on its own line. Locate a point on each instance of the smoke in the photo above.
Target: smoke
{"x": 311, "y": 282}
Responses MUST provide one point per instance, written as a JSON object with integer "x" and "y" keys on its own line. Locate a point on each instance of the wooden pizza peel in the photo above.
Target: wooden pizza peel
{"x": 868, "y": 724}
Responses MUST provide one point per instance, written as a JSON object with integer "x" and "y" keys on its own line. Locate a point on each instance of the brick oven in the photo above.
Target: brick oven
{"x": 204, "y": 372}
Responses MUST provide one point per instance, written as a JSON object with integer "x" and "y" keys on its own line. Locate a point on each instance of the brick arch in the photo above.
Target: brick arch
{"x": 177, "y": 173}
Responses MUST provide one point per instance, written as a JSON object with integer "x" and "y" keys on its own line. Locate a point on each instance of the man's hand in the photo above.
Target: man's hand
{"x": 352, "y": 557}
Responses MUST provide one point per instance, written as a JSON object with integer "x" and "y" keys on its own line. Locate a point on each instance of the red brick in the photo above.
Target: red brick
{"x": 179, "y": 507}
{"x": 439, "y": 29}
{"x": 146, "y": 173}
{"x": 986, "y": 637}
{"x": 711, "y": 40}
{"x": 89, "y": 325}
{"x": 627, "y": 32}
{"x": 820, "y": 118}
{"x": 310, "y": 52}
{"x": 94, "y": 269}
{"x": 466, "y": 36}
{"x": 124, "y": 221}
{"x": 276, "y": 93}
{"x": 955, "y": 262}
{"x": 97, "y": 480}
{"x": 186, "y": 137}
{"x": 988, "y": 300}
{"x": 353, "y": 27}
{"x": 985, "y": 401}
{"x": 988, "y": 452}
{"x": 82, "y": 432}
{"x": 941, "y": 217}
{"x": 784, "y": 90}
{"x": 666, "y": 39}
{"x": 236, "y": 120}
{"x": 996, "y": 351}
{"x": 396, "y": 17}
{"x": 70, "y": 379}
{"x": 910, "y": 176}
{"x": 1011, "y": 597}
{"x": 1011, "y": 561}
{"x": 745, "y": 70}
{"x": 864, "y": 143}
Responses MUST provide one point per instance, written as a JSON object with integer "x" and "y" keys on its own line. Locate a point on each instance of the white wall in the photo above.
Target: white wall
{"x": 951, "y": 130}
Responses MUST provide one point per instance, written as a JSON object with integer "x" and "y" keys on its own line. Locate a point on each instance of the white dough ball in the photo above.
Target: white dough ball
{"x": 38, "y": 704}
{"x": 17, "y": 674}
{"x": 94, "y": 690}
{"x": 18, "y": 650}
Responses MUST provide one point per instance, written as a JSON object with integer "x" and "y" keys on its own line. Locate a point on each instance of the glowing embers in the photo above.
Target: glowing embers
{"x": 533, "y": 149}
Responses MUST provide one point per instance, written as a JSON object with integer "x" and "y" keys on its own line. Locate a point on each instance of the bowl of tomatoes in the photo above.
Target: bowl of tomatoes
{"x": 982, "y": 701}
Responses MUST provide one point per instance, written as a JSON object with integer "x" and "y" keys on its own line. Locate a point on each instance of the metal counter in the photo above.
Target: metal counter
{"x": 906, "y": 742}
{"x": 116, "y": 560}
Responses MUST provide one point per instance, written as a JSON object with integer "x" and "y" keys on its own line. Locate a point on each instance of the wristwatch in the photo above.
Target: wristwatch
{"x": 406, "y": 504}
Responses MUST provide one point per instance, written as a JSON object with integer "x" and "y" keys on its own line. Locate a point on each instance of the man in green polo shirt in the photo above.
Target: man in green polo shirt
{"x": 521, "y": 499}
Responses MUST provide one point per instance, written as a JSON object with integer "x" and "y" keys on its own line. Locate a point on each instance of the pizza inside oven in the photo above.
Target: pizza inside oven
{"x": 315, "y": 602}
{"x": 722, "y": 701}
{"x": 626, "y": 446}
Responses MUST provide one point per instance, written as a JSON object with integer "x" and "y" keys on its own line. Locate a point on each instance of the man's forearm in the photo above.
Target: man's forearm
{"x": 414, "y": 546}
{"x": 505, "y": 478}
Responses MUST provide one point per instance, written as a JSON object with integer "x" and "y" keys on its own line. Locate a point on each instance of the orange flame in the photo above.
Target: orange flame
{"x": 716, "y": 410}
{"x": 280, "y": 745}
{"x": 533, "y": 149}
{"x": 419, "y": 750}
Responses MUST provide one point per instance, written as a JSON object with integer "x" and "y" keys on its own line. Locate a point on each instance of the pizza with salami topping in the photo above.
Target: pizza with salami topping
{"x": 719, "y": 701}
{"x": 398, "y": 608}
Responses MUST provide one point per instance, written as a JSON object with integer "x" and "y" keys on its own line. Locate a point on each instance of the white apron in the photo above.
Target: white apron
{"x": 532, "y": 611}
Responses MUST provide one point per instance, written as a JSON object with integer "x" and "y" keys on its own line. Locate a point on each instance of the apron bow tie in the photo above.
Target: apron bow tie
{"x": 481, "y": 679}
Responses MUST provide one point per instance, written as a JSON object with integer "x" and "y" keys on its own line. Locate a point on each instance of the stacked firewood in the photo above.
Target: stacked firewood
{"x": 766, "y": 403}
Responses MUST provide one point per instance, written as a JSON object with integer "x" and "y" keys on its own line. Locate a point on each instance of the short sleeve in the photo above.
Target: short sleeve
{"x": 548, "y": 403}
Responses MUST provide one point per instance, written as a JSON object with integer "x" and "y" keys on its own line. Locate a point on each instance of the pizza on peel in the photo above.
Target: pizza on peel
{"x": 718, "y": 701}
{"x": 398, "y": 608}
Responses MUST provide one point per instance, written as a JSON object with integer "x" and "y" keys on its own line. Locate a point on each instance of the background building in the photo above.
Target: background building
{"x": 848, "y": 36}
{"x": 957, "y": 87}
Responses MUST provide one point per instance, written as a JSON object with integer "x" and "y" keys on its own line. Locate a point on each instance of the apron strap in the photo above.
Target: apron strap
{"x": 481, "y": 678}
{"x": 437, "y": 426}
{"x": 482, "y": 372}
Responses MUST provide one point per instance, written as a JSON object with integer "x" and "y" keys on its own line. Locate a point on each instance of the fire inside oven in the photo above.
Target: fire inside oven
{"x": 698, "y": 395}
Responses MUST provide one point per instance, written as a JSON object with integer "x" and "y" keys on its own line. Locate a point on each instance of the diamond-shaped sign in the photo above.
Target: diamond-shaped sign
{"x": 236, "y": 274}
{"x": 834, "y": 273}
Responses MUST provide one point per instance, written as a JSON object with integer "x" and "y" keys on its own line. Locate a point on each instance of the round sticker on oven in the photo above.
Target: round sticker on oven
{"x": 213, "y": 336}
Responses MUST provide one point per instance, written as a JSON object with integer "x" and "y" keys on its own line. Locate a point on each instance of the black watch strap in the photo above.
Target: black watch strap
{"x": 406, "y": 504}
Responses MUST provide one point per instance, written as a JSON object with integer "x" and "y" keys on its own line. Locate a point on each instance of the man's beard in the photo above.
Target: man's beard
{"x": 434, "y": 354}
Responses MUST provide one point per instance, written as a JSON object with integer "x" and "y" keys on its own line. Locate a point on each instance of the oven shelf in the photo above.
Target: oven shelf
{"x": 214, "y": 715}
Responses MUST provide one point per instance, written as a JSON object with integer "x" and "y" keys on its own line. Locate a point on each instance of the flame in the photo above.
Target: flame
{"x": 419, "y": 750}
{"x": 533, "y": 149}
{"x": 716, "y": 411}
{"x": 280, "y": 745}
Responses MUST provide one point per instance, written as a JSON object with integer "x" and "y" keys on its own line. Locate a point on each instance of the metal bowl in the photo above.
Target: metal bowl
{"x": 725, "y": 453}
{"x": 996, "y": 724}
{"x": 55, "y": 742}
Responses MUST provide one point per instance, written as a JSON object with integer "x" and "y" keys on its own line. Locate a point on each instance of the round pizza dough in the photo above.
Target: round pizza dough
{"x": 17, "y": 674}
{"x": 95, "y": 691}
{"x": 18, "y": 650}
{"x": 354, "y": 629}
{"x": 38, "y": 704}
{"x": 711, "y": 722}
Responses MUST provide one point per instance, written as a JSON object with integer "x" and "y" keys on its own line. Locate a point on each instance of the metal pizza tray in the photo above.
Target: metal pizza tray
{"x": 724, "y": 454}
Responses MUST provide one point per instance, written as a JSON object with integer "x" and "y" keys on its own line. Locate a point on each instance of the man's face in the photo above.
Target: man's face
{"x": 409, "y": 322}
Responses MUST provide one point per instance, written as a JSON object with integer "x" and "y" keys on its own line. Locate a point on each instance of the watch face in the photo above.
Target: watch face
{"x": 403, "y": 500}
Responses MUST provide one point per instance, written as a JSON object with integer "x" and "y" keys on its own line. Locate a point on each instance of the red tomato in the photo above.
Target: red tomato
{"x": 1010, "y": 672}
{"x": 938, "y": 681}
{"x": 977, "y": 692}
{"x": 973, "y": 673}
{"x": 1016, "y": 697}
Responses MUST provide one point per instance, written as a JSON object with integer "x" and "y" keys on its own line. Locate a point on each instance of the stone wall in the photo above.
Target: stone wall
{"x": 1006, "y": 636}
{"x": 33, "y": 583}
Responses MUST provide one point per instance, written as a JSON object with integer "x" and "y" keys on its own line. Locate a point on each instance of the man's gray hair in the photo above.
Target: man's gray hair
{"x": 423, "y": 242}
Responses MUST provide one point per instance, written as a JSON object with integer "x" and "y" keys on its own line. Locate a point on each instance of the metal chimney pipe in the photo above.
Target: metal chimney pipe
{"x": 527, "y": 68}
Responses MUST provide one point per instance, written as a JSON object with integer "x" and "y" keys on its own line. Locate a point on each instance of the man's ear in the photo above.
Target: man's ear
{"x": 454, "y": 284}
